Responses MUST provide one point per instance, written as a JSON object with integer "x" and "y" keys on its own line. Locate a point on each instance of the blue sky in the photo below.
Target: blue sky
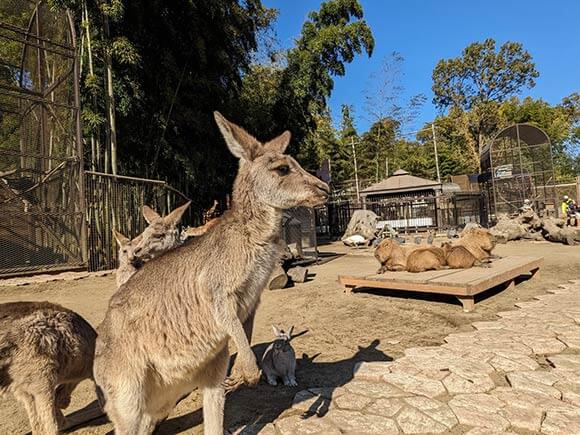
{"x": 426, "y": 31}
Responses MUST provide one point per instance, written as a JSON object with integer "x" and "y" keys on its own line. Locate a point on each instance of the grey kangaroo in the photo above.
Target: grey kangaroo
{"x": 166, "y": 329}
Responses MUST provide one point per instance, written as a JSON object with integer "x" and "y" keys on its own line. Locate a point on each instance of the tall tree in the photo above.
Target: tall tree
{"x": 482, "y": 74}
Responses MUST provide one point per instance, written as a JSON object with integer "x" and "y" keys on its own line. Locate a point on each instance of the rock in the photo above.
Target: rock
{"x": 278, "y": 279}
{"x": 298, "y": 274}
{"x": 362, "y": 223}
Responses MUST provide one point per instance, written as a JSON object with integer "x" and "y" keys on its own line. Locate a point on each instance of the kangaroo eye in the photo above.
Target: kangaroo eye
{"x": 283, "y": 170}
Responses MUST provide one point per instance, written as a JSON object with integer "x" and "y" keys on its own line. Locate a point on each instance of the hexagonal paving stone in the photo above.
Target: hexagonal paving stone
{"x": 371, "y": 371}
{"x": 561, "y": 423}
{"x": 412, "y": 421}
{"x": 529, "y": 418}
{"x": 351, "y": 401}
{"x": 385, "y": 407}
{"x": 355, "y": 422}
{"x": 536, "y": 382}
{"x": 438, "y": 411}
{"x": 570, "y": 340}
{"x": 420, "y": 385}
{"x": 374, "y": 390}
{"x": 479, "y": 410}
{"x": 295, "y": 425}
{"x": 566, "y": 362}
{"x": 311, "y": 404}
{"x": 456, "y": 384}
{"x": 511, "y": 363}
{"x": 485, "y": 431}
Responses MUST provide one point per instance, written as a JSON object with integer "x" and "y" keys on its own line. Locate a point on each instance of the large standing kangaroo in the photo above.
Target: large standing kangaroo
{"x": 166, "y": 329}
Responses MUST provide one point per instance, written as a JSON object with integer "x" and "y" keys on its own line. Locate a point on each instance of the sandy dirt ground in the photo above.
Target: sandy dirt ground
{"x": 337, "y": 330}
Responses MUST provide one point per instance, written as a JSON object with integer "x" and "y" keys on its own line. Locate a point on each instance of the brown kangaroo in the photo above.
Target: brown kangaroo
{"x": 45, "y": 351}
{"x": 166, "y": 329}
{"x": 160, "y": 235}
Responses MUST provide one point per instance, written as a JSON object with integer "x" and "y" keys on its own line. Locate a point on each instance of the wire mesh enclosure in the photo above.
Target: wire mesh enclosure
{"x": 517, "y": 165}
{"x": 299, "y": 232}
{"x": 41, "y": 188}
{"x": 411, "y": 214}
{"x": 116, "y": 202}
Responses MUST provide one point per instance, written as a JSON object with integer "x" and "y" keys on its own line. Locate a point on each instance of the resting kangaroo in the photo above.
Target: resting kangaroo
{"x": 45, "y": 351}
{"x": 160, "y": 235}
{"x": 166, "y": 329}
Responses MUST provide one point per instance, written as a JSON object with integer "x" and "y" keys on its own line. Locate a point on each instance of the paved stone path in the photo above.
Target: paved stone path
{"x": 519, "y": 374}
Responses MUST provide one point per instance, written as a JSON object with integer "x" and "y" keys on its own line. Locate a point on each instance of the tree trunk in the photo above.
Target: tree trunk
{"x": 110, "y": 99}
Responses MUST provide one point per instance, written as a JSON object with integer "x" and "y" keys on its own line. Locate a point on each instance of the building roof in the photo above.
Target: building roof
{"x": 400, "y": 181}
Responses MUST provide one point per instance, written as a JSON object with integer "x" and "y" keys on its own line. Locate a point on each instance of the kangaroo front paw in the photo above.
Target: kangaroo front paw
{"x": 290, "y": 382}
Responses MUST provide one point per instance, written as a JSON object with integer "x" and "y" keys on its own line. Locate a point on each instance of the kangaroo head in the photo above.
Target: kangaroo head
{"x": 125, "y": 247}
{"x": 282, "y": 341}
{"x": 266, "y": 174}
{"x": 160, "y": 235}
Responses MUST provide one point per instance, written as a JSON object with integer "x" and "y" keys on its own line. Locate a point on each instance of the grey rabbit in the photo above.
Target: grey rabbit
{"x": 279, "y": 361}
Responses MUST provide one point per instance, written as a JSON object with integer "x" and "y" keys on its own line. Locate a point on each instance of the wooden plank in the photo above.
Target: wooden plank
{"x": 496, "y": 279}
{"x": 351, "y": 281}
{"x": 422, "y": 277}
{"x": 476, "y": 275}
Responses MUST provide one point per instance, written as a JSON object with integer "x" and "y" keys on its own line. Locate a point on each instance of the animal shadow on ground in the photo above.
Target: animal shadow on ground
{"x": 249, "y": 410}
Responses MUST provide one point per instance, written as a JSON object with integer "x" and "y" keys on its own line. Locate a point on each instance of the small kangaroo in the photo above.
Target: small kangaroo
{"x": 160, "y": 235}
{"x": 279, "y": 360}
{"x": 154, "y": 346}
{"x": 45, "y": 351}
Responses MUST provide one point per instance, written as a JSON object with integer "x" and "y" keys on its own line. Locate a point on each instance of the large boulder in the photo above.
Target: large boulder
{"x": 508, "y": 229}
{"x": 362, "y": 223}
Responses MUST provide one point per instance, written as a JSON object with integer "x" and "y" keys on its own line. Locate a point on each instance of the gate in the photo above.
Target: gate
{"x": 41, "y": 180}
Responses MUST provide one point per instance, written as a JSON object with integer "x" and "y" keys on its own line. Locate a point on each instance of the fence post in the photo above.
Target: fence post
{"x": 578, "y": 189}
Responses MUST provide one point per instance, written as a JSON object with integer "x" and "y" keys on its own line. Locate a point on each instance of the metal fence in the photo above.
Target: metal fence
{"x": 41, "y": 188}
{"x": 407, "y": 214}
{"x": 116, "y": 202}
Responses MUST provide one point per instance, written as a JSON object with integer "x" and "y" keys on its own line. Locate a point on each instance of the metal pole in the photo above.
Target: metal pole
{"x": 386, "y": 167}
{"x": 436, "y": 156}
{"x": 355, "y": 169}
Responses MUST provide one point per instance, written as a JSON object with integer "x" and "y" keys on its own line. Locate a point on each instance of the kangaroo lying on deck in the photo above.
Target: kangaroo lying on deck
{"x": 161, "y": 235}
{"x": 45, "y": 351}
{"x": 166, "y": 329}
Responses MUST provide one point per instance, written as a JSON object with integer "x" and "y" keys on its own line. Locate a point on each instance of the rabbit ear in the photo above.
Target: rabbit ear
{"x": 276, "y": 331}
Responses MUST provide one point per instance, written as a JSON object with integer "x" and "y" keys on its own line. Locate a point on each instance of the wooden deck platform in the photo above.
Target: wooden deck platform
{"x": 462, "y": 283}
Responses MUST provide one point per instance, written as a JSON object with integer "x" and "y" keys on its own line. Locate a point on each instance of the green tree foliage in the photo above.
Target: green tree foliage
{"x": 480, "y": 79}
{"x": 482, "y": 74}
{"x": 303, "y": 80}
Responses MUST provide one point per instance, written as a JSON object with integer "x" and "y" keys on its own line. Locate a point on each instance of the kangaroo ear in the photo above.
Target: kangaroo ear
{"x": 175, "y": 216}
{"x": 121, "y": 239}
{"x": 241, "y": 143}
{"x": 291, "y": 331}
{"x": 276, "y": 331}
{"x": 279, "y": 144}
{"x": 150, "y": 215}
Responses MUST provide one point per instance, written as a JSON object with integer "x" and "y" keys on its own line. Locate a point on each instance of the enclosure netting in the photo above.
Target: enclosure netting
{"x": 517, "y": 165}
{"x": 40, "y": 150}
